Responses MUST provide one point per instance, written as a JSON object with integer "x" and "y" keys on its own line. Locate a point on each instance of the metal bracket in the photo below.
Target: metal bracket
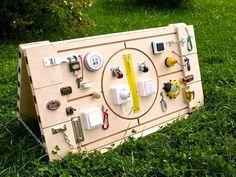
{"x": 59, "y": 129}
{"x": 78, "y": 131}
{"x": 52, "y": 61}
{"x": 171, "y": 42}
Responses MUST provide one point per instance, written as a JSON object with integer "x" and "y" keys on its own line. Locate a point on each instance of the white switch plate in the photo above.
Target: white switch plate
{"x": 146, "y": 87}
{"x": 93, "y": 118}
{"x": 118, "y": 91}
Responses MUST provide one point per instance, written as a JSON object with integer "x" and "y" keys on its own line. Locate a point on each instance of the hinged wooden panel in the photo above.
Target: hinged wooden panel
{"x": 115, "y": 84}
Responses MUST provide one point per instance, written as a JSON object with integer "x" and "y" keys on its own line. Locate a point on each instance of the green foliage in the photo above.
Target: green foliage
{"x": 165, "y": 3}
{"x": 26, "y": 18}
{"x": 202, "y": 145}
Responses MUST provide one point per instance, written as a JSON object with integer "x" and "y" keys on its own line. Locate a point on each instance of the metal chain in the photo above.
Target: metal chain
{"x": 30, "y": 131}
{"x": 68, "y": 141}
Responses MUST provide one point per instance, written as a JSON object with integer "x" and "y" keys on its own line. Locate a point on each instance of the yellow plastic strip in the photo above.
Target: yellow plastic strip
{"x": 131, "y": 81}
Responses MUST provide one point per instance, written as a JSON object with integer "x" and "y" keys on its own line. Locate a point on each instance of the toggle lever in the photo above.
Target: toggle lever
{"x": 116, "y": 72}
{"x": 142, "y": 67}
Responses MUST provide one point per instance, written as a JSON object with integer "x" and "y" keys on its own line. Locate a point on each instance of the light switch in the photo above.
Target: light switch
{"x": 93, "y": 117}
{"x": 158, "y": 47}
{"x": 146, "y": 87}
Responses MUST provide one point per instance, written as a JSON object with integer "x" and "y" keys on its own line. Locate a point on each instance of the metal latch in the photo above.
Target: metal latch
{"x": 78, "y": 131}
{"x": 51, "y": 61}
{"x": 59, "y": 129}
{"x": 66, "y": 90}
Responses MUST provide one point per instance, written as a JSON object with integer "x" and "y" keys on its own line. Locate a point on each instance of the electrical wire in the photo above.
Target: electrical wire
{"x": 126, "y": 113}
{"x": 185, "y": 59}
{"x": 82, "y": 68}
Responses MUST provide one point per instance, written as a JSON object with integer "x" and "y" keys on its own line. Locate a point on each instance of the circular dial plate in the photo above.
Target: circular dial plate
{"x": 108, "y": 81}
{"x": 93, "y": 61}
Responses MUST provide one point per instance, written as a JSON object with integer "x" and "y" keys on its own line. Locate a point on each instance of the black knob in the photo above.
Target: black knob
{"x": 145, "y": 69}
{"x": 167, "y": 87}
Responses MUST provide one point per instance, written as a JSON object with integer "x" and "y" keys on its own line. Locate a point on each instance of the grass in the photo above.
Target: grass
{"x": 202, "y": 145}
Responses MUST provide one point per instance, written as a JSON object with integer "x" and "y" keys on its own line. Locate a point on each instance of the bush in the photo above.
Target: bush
{"x": 165, "y": 3}
{"x": 21, "y": 18}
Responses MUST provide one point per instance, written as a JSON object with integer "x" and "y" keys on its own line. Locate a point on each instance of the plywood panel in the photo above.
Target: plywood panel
{"x": 116, "y": 124}
{"x": 47, "y": 82}
{"x": 184, "y": 32}
{"x": 111, "y": 38}
{"x": 53, "y": 140}
{"x": 44, "y": 96}
{"x": 173, "y": 105}
{"x": 157, "y": 122}
{"x": 108, "y": 82}
{"x": 93, "y": 77}
{"x": 42, "y": 76}
{"x": 194, "y": 64}
{"x": 25, "y": 101}
{"x": 27, "y": 107}
{"x": 158, "y": 59}
{"x": 199, "y": 99}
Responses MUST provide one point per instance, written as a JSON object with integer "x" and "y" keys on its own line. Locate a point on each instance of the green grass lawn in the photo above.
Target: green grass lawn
{"x": 202, "y": 145}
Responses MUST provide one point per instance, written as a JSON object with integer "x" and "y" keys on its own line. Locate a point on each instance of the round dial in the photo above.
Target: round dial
{"x": 93, "y": 61}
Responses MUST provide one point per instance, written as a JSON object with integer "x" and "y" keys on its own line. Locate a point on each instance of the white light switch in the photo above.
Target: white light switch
{"x": 93, "y": 117}
{"x": 120, "y": 94}
{"x": 146, "y": 87}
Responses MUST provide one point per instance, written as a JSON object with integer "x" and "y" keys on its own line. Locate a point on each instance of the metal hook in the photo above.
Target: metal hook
{"x": 189, "y": 41}
{"x": 105, "y": 125}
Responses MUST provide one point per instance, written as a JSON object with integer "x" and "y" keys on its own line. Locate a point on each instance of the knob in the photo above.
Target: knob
{"x": 170, "y": 61}
{"x": 167, "y": 86}
{"x": 143, "y": 67}
{"x": 124, "y": 94}
{"x": 116, "y": 72}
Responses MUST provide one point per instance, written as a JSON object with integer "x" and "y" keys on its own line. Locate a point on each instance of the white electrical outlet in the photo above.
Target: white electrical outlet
{"x": 93, "y": 61}
{"x": 93, "y": 117}
{"x": 146, "y": 87}
{"x": 120, "y": 94}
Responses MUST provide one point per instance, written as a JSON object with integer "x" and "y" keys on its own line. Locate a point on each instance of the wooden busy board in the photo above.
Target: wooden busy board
{"x": 94, "y": 92}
